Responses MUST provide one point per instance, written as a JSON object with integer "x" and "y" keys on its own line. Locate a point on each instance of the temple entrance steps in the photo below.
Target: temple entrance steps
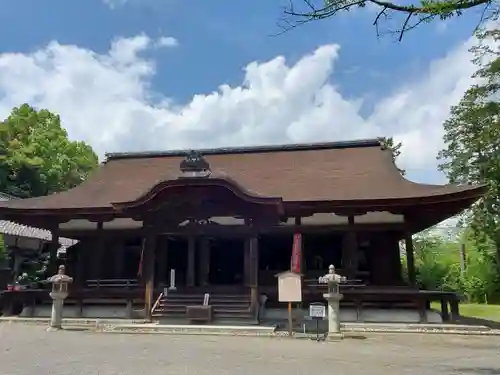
{"x": 233, "y": 308}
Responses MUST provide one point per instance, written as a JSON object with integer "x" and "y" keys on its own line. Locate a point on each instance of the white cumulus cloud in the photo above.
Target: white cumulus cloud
{"x": 105, "y": 99}
{"x": 167, "y": 41}
{"x": 114, "y": 3}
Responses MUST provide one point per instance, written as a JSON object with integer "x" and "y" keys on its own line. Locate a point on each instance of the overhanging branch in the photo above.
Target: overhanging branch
{"x": 303, "y": 11}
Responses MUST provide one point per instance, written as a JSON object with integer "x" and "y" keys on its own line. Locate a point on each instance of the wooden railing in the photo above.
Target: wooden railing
{"x": 112, "y": 283}
{"x": 268, "y": 277}
{"x": 157, "y": 302}
{"x": 127, "y": 292}
{"x": 361, "y": 297}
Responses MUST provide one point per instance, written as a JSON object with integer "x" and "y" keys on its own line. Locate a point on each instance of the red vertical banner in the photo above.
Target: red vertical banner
{"x": 296, "y": 253}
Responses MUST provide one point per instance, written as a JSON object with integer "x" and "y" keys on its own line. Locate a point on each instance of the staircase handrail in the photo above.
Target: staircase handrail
{"x": 157, "y": 302}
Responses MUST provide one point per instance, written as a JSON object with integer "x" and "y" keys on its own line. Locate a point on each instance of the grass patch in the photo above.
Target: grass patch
{"x": 476, "y": 310}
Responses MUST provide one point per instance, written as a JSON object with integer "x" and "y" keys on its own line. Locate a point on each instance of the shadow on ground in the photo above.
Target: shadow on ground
{"x": 76, "y": 329}
{"x": 479, "y": 321}
{"x": 477, "y": 370}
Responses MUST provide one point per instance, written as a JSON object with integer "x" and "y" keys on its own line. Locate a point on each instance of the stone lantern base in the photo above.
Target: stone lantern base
{"x": 333, "y": 300}
{"x": 334, "y": 336}
{"x": 57, "y": 309}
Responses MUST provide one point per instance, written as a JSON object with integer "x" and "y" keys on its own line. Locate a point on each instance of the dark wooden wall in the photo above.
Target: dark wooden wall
{"x": 118, "y": 256}
{"x": 385, "y": 259}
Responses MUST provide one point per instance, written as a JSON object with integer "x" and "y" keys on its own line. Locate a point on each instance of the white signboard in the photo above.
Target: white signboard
{"x": 289, "y": 287}
{"x": 317, "y": 311}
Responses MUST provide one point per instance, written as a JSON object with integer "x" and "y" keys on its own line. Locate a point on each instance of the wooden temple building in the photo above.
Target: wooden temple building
{"x": 225, "y": 220}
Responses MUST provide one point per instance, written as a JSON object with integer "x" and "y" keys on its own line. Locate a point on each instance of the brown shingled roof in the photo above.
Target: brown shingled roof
{"x": 340, "y": 171}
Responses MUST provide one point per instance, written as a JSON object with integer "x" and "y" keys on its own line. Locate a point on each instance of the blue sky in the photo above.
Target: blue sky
{"x": 216, "y": 40}
{"x": 219, "y": 37}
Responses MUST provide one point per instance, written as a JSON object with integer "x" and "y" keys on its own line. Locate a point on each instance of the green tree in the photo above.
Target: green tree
{"x": 36, "y": 156}
{"x": 480, "y": 282}
{"x": 433, "y": 257}
{"x": 407, "y": 15}
{"x": 437, "y": 263}
{"x": 472, "y": 139}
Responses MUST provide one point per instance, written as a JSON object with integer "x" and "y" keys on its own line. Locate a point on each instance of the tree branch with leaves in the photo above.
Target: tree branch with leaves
{"x": 411, "y": 15}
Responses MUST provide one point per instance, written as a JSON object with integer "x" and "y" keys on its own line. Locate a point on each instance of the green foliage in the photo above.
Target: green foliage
{"x": 36, "y": 156}
{"x": 33, "y": 268}
{"x": 433, "y": 256}
{"x": 3, "y": 249}
{"x": 437, "y": 263}
{"x": 472, "y": 138}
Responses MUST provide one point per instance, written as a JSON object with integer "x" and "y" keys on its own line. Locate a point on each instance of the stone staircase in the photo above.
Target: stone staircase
{"x": 227, "y": 308}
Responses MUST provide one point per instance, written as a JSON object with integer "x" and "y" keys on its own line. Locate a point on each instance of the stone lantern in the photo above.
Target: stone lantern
{"x": 333, "y": 297}
{"x": 59, "y": 292}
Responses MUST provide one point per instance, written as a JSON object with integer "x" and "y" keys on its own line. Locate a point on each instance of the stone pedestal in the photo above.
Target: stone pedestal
{"x": 60, "y": 283}
{"x": 333, "y": 300}
{"x": 57, "y": 309}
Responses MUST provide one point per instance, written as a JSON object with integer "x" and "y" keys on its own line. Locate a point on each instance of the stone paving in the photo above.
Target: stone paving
{"x": 29, "y": 349}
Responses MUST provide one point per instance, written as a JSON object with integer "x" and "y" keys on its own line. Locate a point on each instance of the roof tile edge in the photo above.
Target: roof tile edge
{"x": 374, "y": 142}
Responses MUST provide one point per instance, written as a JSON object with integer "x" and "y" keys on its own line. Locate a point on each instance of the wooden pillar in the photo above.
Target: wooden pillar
{"x": 191, "y": 261}
{"x": 93, "y": 262}
{"x": 350, "y": 251}
{"x": 95, "y": 254}
{"x": 395, "y": 257}
{"x": 385, "y": 263}
{"x": 162, "y": 277}
{"x": 454, "y": 310}
{"x": 148, "y": 270}
{"x": 99, "y": 251}
{"x": 204, "y": 265}
{"x": 345, "y": 254}
{"x": 254, "y": 271}
{"x": 246, "y": 263}
{"x": 445, "y": 314}
{"x": 410, "y": 261}
{"x": 118, "y": 255}
{"x": 80, "y": 270}
{"x": 53, "y": 248}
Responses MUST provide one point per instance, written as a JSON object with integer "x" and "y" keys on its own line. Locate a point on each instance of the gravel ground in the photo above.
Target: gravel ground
{"x": 27, "y": 349}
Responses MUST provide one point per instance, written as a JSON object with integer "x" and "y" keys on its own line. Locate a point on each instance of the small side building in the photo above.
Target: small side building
{"x": 24, "y": 244}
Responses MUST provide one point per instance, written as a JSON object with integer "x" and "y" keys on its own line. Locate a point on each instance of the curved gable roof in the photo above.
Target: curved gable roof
{"x": 339, "y": 171}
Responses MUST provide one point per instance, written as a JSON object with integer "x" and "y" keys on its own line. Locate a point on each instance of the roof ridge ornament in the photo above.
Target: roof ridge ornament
{"x": 195, "y": 165}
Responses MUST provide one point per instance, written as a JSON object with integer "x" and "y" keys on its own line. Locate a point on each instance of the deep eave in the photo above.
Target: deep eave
{"x": 463, "y": 195}
{"x": 346, "y": 177}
